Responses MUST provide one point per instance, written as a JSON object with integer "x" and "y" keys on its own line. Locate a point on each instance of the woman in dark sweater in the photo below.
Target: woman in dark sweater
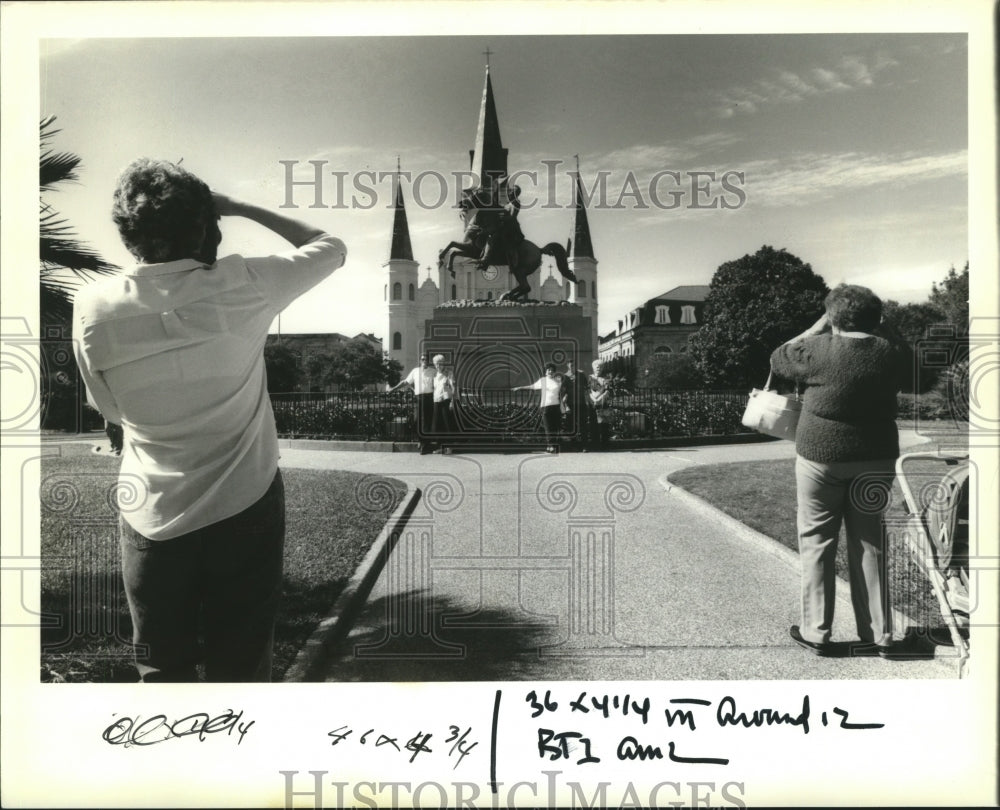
{"x": 846, "y": 445}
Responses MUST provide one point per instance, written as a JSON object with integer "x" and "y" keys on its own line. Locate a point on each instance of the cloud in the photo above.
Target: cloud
{"x": 856, "y": 71}
{"x": 788, "y": 87}
{"x": 791, "y": 180}
{"x": 828, "y": 80}
{"x": 654, "y": 157}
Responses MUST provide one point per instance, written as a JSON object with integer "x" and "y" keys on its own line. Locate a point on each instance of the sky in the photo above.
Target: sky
{"x": 850, "y": 150}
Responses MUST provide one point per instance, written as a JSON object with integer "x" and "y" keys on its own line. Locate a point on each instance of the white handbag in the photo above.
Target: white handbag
{"x": 772, "y": 413}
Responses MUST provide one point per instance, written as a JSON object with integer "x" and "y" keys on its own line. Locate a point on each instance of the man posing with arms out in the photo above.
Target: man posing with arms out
{"x": 421, "y": 380}
{"x": 173, "y": 351}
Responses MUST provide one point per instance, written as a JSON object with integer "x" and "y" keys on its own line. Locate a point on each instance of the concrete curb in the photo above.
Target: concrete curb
{"x": 334, "y": 628}
{"x": 623, "y": 445}
{"x": 771, "y": 546}
{"x": 343, "y": 444}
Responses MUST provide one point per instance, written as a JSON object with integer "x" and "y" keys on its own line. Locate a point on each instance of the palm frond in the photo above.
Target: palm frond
{"x": 45, "y": 129}
{"x": 55, "y": 168}
{"x": 73, "y": 256}
{"x": 55, "y": 305}
{"x": 65, "y": 262}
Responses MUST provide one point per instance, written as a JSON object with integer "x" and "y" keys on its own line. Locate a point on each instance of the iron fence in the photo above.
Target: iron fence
{"x": 499, "y": 415}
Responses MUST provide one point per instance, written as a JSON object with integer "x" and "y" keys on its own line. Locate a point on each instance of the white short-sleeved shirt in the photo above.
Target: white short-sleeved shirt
{"x": 422, "y": 380}
{"x": 444, "y": 386}
{"x": 174, "y": 353}
{"x": 550, "y": 388}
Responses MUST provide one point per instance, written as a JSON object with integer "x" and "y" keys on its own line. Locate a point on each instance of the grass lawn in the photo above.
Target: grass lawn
{"x": 86, "y": 625}
{"x": 761, "y": 494}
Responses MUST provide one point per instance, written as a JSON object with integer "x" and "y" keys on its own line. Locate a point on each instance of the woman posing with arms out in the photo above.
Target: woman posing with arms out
{"x": 552, "y": 400}
{"x": 172, "y": 350}
{"x": 846, "y": 445}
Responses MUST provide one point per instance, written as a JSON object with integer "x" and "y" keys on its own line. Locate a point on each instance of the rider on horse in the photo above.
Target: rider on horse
{"x": 491, "y": 228}
{"x": 493, "y": 236}
{"x": 507, "y": 234}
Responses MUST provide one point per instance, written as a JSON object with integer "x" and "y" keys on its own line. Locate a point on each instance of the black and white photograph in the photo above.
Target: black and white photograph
{"x": 499, "y": 404}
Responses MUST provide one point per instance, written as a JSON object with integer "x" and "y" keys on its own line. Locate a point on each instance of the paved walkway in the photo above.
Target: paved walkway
{"x": 579, "y": 567}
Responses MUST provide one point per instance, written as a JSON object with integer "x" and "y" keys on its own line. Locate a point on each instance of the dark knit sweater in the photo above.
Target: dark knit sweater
{"x": 849, "y": 406}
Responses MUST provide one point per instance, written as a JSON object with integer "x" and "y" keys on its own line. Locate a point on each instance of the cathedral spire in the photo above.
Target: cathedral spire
{"x": 488, "y": 158}
{"x": 582, "y": 246}
{"x": 400, "y": 248}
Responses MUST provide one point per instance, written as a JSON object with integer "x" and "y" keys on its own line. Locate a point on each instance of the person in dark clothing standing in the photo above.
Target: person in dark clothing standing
{"x": 421, "y": 380}
{"x": 846, "y": 445}
{"x": 581, "y": 417}
{"x": 599, "y": 392}
{"x": 550, "y": 404}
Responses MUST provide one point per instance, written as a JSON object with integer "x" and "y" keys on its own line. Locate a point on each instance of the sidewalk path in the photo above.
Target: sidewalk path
{"x": 578, "y": 567}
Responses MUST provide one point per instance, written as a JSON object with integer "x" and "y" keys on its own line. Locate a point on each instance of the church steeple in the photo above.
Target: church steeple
{"x": 582, "y": 246}
{"x": 489, "y": 157}
{"x": 400, "y": 248}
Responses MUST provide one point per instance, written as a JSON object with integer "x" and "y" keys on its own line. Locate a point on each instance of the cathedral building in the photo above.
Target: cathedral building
{"x": 410, "y": 300}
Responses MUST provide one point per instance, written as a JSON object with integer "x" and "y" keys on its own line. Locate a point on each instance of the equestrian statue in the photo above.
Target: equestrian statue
{"x": 493, "y": 237}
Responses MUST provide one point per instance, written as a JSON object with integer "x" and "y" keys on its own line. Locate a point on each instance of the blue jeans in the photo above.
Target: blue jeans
{"x": 224, "y": 579}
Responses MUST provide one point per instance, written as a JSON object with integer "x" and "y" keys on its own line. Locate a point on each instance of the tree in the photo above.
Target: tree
{"x": 912, "y": 320}
{"x": 952, "y": 299}
{"x": 937, "y": 329}
{"x": 283, "y": 370}
{"x": 621, "y": 369}
{"x": 754, "y": 304}
{"x": 676, "y": 371}
{"x": 353, "y": 364}
{"x": 65, "y": 261}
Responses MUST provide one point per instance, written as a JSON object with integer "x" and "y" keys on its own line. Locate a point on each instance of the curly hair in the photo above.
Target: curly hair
{"x": 164, "y": 213}
{"x": 853, "y": 308}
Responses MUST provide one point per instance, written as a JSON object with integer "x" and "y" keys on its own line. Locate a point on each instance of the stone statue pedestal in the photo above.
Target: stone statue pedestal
{"x": 495, "y": 346}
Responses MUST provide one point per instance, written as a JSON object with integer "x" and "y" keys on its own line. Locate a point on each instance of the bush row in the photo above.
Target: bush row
{"x": 648, "y": 415}
{"x": 337, "y": 420}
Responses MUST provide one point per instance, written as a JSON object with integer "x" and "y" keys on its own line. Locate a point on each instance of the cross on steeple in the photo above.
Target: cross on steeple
{"x": 487, "y": 53}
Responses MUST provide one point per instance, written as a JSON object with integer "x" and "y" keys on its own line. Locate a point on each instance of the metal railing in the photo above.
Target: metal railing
{"x": 499, "y": 415}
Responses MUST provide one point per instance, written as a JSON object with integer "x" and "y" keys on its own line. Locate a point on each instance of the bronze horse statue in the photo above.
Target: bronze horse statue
{"x": 491, "y": 232}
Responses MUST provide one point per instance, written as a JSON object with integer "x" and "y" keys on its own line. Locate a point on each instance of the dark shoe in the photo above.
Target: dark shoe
{"x": 868, "y": 649}
{"x": 812, "y": 646}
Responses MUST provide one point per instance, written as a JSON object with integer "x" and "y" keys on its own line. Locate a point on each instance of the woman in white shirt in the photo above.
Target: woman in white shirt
{"x": 444, "y": 398}
{"x": 598, "y": 396}
{"x": 552, "y": 401}
{"x": 172, "y": 350}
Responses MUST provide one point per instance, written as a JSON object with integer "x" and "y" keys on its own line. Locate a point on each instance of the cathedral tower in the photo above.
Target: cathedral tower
{"x": 582, "y": 261}
{"x": 405, "y": 327}
{"x": 488, "y": 162}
